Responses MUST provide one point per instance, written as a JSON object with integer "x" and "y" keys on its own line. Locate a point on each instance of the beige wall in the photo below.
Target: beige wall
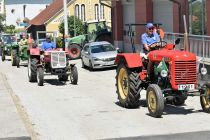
{"x": 52, "y": 24}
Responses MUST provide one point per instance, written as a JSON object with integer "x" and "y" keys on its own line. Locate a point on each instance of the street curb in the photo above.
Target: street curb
{"x": 21, "y": 112}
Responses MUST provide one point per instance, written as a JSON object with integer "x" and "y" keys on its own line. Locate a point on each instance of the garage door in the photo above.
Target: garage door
{"x": 163, "y": 13}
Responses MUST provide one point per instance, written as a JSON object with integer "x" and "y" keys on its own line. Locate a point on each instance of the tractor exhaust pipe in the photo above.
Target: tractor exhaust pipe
{"x": 186, "y": 43}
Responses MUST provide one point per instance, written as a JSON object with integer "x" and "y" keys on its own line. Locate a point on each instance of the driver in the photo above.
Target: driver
{"x": 150, "y": 39}
{"x": 48, "y": 44}
{"x": 23, "y": 42}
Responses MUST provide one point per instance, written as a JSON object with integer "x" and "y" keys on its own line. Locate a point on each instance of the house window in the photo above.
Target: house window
{"x": 96, "y": 12}
{"x": 102, "y": 11}
{"x": 83, "y": 12}
{"x": 77, "y": 11}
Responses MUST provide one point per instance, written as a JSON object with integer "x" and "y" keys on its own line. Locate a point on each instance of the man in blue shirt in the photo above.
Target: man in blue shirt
{"x": 48, "y": 44}
{"x": 150, "y": 39}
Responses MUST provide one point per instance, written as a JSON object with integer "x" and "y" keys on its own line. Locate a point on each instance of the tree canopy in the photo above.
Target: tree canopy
{"x": 78, "y": 25}
{"x": 2, "y": 18}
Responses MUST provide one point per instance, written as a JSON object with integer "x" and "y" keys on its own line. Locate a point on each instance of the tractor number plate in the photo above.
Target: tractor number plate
{"x": 186, "y": 87}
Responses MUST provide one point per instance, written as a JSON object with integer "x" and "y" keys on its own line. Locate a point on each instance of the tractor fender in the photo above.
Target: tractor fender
{"x": 72, "y": 43}
{"x": 133, "y": 60}
{"x": 34, "y": 51}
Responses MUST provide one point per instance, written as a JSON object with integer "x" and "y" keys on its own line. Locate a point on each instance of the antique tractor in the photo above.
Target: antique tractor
{"x": 167, "y": 75}
{"x": 7, "y": 43}
{"x": 52, "y": 62}
{"x": 94, "y": 31}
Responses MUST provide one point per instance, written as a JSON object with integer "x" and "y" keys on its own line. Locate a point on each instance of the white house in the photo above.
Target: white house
{"x": 17, "y": 10}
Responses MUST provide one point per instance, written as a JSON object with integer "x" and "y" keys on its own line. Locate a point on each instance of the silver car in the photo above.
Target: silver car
{"x": 98, "y": 55}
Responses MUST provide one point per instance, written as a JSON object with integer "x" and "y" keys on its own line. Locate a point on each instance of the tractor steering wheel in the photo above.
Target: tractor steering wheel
{"x": 157, "y": 45}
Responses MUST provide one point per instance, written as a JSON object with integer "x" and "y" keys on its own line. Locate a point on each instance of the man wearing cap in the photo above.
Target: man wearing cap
{"x": 48, "y": 44}
{"x": 150, "y": 39}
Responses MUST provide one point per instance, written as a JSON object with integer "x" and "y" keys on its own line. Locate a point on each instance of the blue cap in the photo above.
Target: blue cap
{"x": 149, "y": 25}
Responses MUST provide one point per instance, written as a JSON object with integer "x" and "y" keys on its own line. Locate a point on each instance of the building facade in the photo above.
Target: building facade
{"x": 2, "y": 7}
{"x": 167, "y": 12}
{"x": 86, "y": 10}
{"x": 18, "y": 10}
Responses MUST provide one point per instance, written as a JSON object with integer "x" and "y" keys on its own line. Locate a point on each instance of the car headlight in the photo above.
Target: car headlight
{"x": 164, "y": 73}
{"x": 96, "y": 59}
{"x": 203, "y": 71}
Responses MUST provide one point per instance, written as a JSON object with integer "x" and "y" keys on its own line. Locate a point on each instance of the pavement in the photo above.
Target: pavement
{"x": 11, "y": 125}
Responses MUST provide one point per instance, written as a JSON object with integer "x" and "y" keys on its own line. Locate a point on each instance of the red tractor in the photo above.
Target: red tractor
{"x": 52, "y": 62}
{"x": 168, "y": 76}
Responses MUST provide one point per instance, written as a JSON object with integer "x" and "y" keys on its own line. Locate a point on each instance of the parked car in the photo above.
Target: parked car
{"x": 97, "y": 55}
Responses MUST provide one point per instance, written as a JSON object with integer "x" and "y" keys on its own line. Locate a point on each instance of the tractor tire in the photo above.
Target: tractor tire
{"x": 155, "y": 101}
{"x": 2, "y": 56}
{"x": 14, "y": 57}
{"x": 63, "y": 77}
{"x": 128, "y": 87}
{"x": 74, "y": 75}
{"x": 205, "y": 100}
{"x": 74, "y": 51}
{"x": 0, "y": 51}
{"x": 40, "y": 76}
{"x": 32, "y": 76}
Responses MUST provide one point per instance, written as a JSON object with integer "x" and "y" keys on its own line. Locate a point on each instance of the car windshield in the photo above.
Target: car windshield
{"x": 102, "y": 48}
{"x": 8, "y": 39}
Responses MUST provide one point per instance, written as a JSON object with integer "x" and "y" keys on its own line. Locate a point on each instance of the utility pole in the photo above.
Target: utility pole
{"x": 74, "y": 19}
{"x": 65, "y": 22}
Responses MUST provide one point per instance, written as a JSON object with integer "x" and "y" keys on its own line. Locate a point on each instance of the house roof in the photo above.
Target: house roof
{"x": 48, "y": 13}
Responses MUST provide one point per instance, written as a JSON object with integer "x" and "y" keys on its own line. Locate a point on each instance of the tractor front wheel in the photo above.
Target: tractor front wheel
{"x": 2, "y": 55}
{"x": 74, "y": 75}
{"x": 128, "y": 87}
{"x": 14, "y": 57}
{"x": 40, "y": 76}
{"x": 32, "y": 74}
{"x": 155, "y": 101}
{"x": 205, "y": 99}
{"x": 74, "y": 51}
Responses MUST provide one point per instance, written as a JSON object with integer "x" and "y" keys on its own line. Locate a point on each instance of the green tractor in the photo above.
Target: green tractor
{"x": 7, "y": 43}
{"x": 94, "y": 31}
{"x": 18, "y": 53}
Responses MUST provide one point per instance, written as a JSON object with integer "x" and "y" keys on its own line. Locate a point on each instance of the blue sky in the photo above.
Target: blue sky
{"x": 28, "y": 1}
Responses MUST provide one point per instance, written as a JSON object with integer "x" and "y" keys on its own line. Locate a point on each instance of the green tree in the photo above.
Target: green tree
{"x": 2, "y": 18}
{"x": 78, "y": 25}
{"x": 9, "y": 29}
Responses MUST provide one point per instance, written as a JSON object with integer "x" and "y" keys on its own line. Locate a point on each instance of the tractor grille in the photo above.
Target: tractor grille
{"x": 58, "y": 59}
{"x": 185, "y": 72}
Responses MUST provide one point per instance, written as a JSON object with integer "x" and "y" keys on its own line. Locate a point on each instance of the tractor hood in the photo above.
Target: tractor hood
{"x": 168, "y": 55}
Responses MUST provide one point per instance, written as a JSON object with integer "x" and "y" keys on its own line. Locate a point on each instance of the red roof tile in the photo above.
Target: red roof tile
{"x": 48, "y": 13}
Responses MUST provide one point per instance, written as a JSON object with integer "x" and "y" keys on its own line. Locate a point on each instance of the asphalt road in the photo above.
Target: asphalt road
{"x": 89, "y": 110}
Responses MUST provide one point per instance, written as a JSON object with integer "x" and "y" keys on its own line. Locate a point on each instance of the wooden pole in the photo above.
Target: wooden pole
{"x": 186, "y": 43}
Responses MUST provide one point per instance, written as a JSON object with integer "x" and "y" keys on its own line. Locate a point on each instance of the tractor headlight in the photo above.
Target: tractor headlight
{"x": 164, "y": 73}
{"x": 203, "y": 71}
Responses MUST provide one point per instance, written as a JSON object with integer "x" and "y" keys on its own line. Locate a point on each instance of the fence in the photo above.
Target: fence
{"x": 198, "y": 44}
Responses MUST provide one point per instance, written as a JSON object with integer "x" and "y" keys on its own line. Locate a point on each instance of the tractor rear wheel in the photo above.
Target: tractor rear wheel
{"x": 74, "y": 75}
{"x": 40, "y": 76}
{"x": 128, "y": 87}
{"x": 63, "y": 77}
{"x": 205, "y": 100}
{"x": 74, "y": 51}
{"x": 14, "y": 57}
{"x": 155, "y": 101}
{"x": 2, "y": 56}
{"x": 32, "y": 74}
